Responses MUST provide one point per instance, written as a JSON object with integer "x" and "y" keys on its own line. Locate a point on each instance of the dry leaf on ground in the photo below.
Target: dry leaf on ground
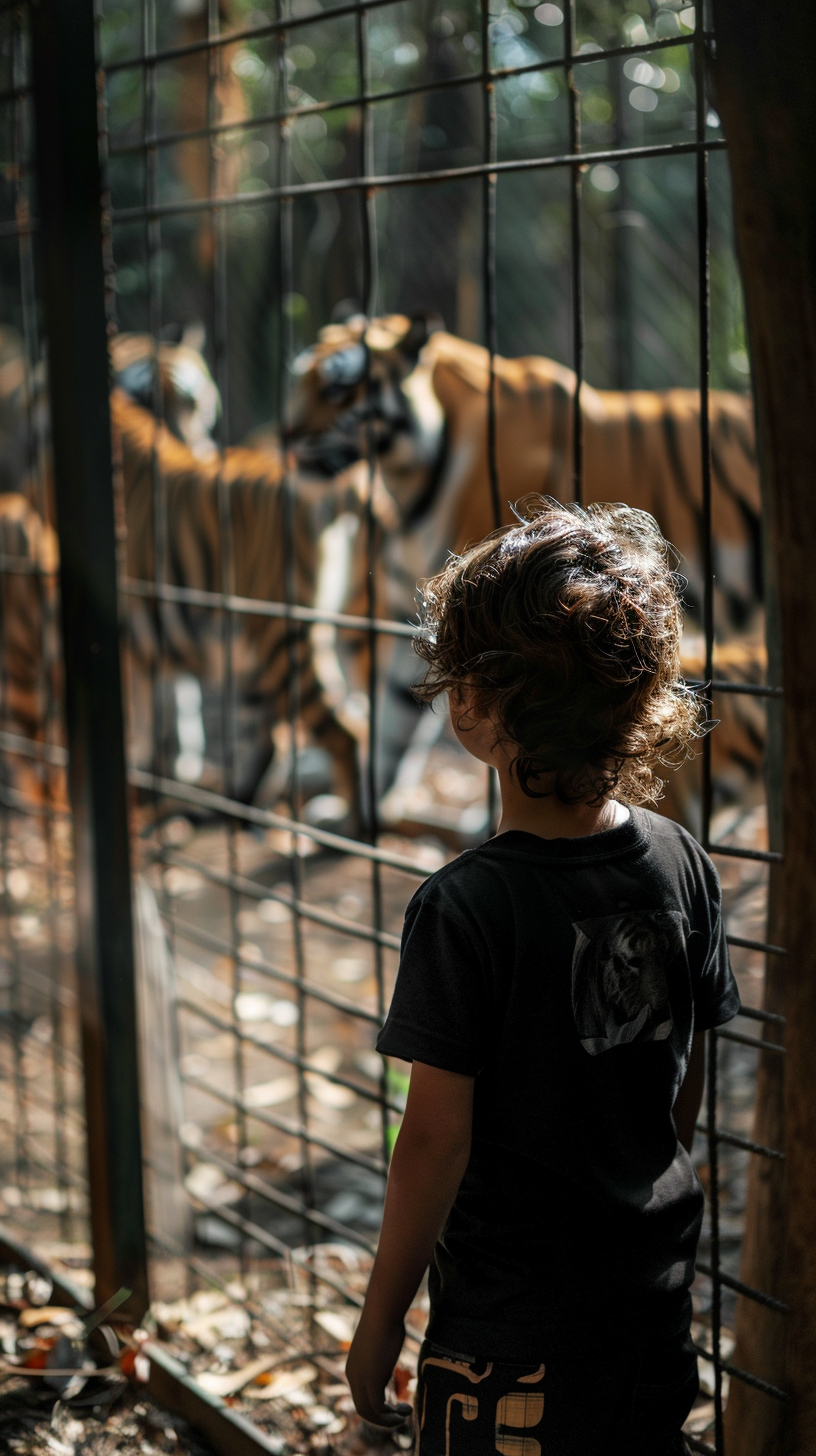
{"x": 231, "y": 1381}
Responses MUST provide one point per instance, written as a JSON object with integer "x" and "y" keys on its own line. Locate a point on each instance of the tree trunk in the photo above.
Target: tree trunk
{"x": 767, "y": 101}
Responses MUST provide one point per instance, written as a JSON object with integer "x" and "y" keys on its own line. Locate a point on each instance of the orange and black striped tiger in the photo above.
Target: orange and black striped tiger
{"x": 419, "y": 398}
{"x": 30, "y": 665}
{"x": 174, "y": 643}
{"x": 190, "y": 638}
{"x": 176, "y": 377}
{"x": 738, "y": 742}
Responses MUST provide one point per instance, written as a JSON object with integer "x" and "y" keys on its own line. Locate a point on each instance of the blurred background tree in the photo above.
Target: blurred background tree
{"x": 639, "y": 217}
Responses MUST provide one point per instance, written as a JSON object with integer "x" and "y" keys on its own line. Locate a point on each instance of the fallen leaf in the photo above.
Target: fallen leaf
{"x": 230, "y": 1323}
{"x": 37, "y": 1359}
{"x": 127, "y": 1361}
{"x": 700, "y": 1419}
{"x": 253, "y": 1006}
{"x": 269, "y": 1094}
{"x": 231, "y": 1381}
{"x": 183, "y": 882}
{"x": 350, "y": 969}
{"x": 38, "y": 1289}
{"x": 320, "y": 1415}
{"x": 302, "y": 1398}
{"x": 47, "y": 1314}
{"x": 370, "y": 1063}
{"x": 282, "y": 1382}
{"x": 59, "y": 1448}
{"x": 207, "y": 1316}
{"x": 203, "y": 1301}
{"x": 207, "y": 1181}
{"x": 330, "y": 1094}
{"x": 326, "y": 1059}
{"x": 337, "y": 1325}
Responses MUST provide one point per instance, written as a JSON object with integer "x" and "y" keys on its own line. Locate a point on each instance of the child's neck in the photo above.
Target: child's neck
{"x": 550, "y": 817}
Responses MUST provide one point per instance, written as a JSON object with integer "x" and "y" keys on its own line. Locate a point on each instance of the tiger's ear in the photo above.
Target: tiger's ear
{"x": 347, "y": 309}
{"x": 422, "y": 325}
{"x": 194, "y": 336}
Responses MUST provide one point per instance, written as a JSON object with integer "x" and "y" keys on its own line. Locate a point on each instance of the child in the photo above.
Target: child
{"x": 553, "y": 991}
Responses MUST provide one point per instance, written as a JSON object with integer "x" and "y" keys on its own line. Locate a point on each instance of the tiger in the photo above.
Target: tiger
{"x": 263, "y": 649}
{"x": 738, "y": 742}
{"x": 189, "y": 398}
{"x": 30, "y": 663}
{"x": 187, "y": 463}
{"x": 421, "y": 396}
{"x": 417, "y": 398}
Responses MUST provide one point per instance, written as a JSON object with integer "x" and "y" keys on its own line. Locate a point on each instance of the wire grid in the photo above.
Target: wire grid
{"x": 301, "y": 1258}
{"x": 364, "y": 184}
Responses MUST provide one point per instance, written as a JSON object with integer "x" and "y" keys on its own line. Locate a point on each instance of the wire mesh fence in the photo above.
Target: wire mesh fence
{"x": 548, "y": 180}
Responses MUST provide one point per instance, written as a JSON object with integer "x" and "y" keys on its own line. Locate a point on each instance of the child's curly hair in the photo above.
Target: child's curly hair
{"x": 566, "y": 631}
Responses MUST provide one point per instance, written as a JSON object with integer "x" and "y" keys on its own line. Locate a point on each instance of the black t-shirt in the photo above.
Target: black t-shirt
{"x": 567, "y": 977}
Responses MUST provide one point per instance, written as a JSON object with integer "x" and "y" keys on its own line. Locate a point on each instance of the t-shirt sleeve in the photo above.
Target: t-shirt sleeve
{"x": 439, "y": 1012}
{"x": 716, "y": 998}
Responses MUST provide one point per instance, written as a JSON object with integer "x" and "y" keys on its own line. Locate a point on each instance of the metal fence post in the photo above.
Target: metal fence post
{"x": 70, "y": 218}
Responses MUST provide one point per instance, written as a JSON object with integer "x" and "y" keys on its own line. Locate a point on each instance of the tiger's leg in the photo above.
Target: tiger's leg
{"x": 276, "y": 680}
{"x": 403, "y": 723}
{"x": 344, "y": 749}
{"x": 323, "y": 724}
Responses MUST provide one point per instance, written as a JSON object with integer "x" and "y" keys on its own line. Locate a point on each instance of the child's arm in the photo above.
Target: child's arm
{"x": 687, "y": 1102}
{"x": 429, "y": 1161}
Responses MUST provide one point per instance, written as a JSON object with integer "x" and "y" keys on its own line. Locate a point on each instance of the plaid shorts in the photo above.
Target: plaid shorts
{"x": 627, "y": 1404}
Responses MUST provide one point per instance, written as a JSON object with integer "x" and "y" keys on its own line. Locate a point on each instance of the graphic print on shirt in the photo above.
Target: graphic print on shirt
{"x": 620, "y": 990}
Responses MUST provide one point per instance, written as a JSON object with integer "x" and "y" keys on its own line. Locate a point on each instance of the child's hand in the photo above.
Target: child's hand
{"x": 374, "y": 1352}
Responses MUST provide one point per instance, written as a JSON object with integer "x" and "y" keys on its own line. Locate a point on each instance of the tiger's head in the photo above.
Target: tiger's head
{"x": 631, "y": 959}
{"x": 362, "y": 389}
{"x": 190, "y": 399}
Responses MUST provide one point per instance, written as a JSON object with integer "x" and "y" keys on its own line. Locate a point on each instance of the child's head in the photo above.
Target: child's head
{"x": 564, "y": 632}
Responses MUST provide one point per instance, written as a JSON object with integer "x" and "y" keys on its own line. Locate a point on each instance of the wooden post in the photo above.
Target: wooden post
{"x": 70, "y": 230}
{"x": 767, "y": 100}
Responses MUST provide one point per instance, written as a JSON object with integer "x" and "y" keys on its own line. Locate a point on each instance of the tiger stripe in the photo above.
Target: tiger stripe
{"x": 264, "y": 649}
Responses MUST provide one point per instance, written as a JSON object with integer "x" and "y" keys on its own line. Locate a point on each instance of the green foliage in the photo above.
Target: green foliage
{"x": 639, "y": 217}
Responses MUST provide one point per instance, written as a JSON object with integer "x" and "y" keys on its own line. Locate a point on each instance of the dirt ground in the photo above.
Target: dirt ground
{"x": 33, "y": 1423}
{"x": 254, "y": 1301}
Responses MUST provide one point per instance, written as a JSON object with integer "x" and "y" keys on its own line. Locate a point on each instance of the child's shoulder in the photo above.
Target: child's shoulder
{"x": 667, "y": 833}
{"x": 673, "y": 841}
{"x": 481, "y": 878}
{"x": 457, "y": 883}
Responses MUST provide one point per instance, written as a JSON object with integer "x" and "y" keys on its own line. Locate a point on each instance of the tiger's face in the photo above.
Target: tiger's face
{"x": 628, "y": 960}
{"x": 358, "y": 391}
{"x": 620, "y": 990}
{"x": 190, "y": 399}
